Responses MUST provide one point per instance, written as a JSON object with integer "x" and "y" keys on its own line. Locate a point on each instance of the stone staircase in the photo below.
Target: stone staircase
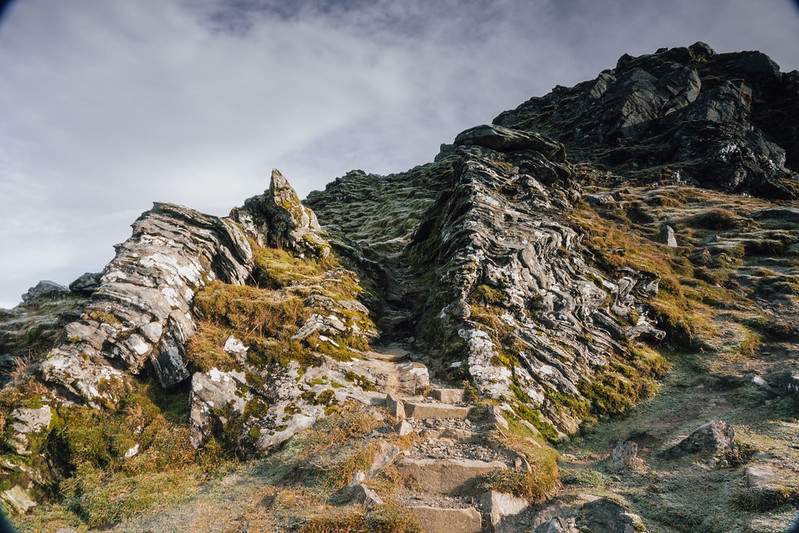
{"x": 443, "y": 471}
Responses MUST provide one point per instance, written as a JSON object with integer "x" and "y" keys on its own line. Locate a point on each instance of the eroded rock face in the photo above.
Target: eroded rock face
{"x": 142, "y": 310}
{"x": 506, "y": 259}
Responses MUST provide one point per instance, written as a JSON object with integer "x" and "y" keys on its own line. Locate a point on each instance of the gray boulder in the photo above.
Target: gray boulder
{"x": 667, "y": 236}
{"x": 86, "y": 284}
{"x": 712, "y": 439}
{"x": 44, "y": 290}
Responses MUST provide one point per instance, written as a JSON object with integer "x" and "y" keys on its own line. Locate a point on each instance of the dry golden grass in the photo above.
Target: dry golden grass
{"x": 616, "y": 245}
{"x": 542, "y": 479}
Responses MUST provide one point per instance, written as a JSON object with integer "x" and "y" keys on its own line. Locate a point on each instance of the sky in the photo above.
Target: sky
{"x": 109, "y": 105}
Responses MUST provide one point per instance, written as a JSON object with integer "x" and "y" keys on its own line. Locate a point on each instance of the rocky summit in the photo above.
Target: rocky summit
{"x": 580, "y": 317}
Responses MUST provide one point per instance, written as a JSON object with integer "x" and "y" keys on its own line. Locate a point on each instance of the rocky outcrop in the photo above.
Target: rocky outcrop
{"x": 142, "y": 310}
{"x": 587, "y": 513}
{"x": 718, "y": 120}
{"x": 512, "y": 276}
{"x": 278, "y": 218}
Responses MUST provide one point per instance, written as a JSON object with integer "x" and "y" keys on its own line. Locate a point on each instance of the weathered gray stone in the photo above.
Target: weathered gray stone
{"x": 43, "y": 290}
{"x": 447, "y": 520}
{"x": 421, "y": 410}
{"x": 25, "y": 421}
{"x": 364, "y": 495}
{"x": 499, "y": 506}
{"x": 87, "y": 283}
{"x": 386, "y": 454}
{"x": 395, "y": 406}
{"x": 213, "y": 391}
{"x": 447, "y": 395}
{"x": 667, "y": 236}
{"x": 446, "y": 476}
{"x": 507, "y": 139}
{"x": 711, "y": 439}
{"x": 278, "y": 218}
{"x": 403, "y": 428}
{"x": 625, "y": 455}
{"x": 413, "y": 377}
{"x": 18, "y": 499}
{"x": 235, "y": 347}
{"x": 326, "y": 325}
{"x": 607, "y": 516}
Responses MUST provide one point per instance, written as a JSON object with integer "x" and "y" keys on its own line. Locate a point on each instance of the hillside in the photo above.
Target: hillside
{"x": 581, "y": 317}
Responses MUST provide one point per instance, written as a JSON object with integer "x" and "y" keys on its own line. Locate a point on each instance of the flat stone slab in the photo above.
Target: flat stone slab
{"x": 446, "y": 476}
{"x": 447, "y": 520}
{"x": 448, "y": 395}
{"x": 421, "y": 410}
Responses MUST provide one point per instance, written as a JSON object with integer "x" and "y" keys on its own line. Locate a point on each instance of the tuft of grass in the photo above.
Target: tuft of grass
{"x": 276, "y": 268}
{"x": 100, "y": 500}
{"x": 715, "y": 219}
{"x": 205, "y": 350}
{"x": 251, "y": 310}
{"x": 331, "y": 451}
{"x": 383, "y": 519}
{"x": 542, "y": 479}
{"x": 522, "y": 409}
{"x": 750, "y": 344}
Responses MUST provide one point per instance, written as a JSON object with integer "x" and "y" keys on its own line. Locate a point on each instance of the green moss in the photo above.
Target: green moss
{"x": 622, "y": 384}
{"x": 326, "y": 397}
{"x": 488, "y": 294}
{"x": 578, "y": 406}
{"x": 714, "y": 219}
{"x": 750, "y": 344}
{"x": 522, "y": 408}
{"x": 360, "y": 380}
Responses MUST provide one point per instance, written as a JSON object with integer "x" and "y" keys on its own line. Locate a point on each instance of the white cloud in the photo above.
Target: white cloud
{"x": 109, "y": 105}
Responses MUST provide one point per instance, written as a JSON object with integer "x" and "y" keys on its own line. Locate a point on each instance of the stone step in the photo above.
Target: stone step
{"x": 447, "y": 520}
{"x": 422, "y": 410}
{"x": 391, "y": 353}
{"x": 447, "y": 395}
{"x": 413, "y": 377}
{"x": 446, "y": 476}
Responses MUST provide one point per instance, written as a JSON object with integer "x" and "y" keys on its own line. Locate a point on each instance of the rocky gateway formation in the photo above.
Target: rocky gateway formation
{"x": 461, "y": 346}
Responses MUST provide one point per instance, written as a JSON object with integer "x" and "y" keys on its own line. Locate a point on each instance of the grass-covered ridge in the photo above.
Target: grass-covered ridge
{"x": 109, "y": 465}
{"x": 287, "y": 290}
